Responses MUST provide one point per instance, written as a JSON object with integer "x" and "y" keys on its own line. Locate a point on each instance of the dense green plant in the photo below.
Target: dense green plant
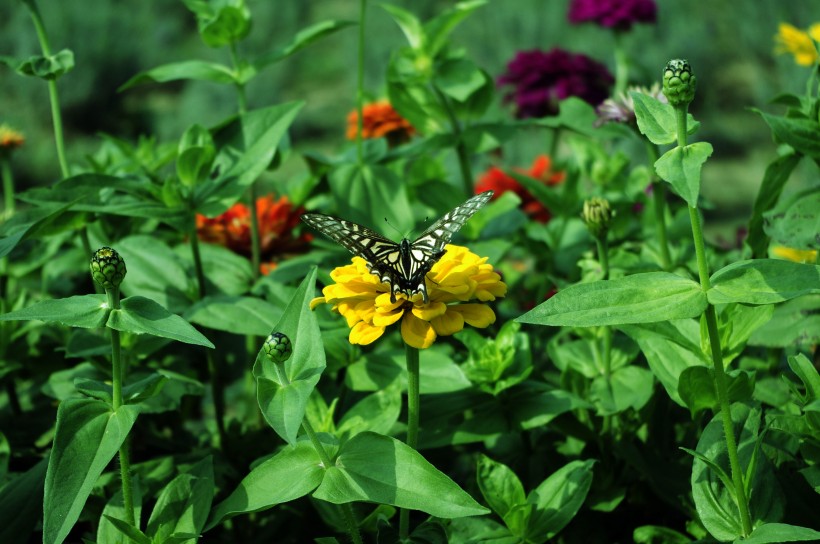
{"x": 544, "y": 421}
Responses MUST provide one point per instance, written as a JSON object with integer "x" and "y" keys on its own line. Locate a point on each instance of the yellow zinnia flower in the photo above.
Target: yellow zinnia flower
{"x": 459, "y": 277}
{"x": 790, "y": 39}
{"x": 10, "y": 138}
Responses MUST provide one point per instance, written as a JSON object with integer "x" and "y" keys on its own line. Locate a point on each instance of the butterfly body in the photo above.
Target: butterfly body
{"x": 403, "y": 265}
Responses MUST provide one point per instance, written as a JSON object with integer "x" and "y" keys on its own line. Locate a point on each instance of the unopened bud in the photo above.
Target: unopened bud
{"x": 679, "y": 84}
{"x": 107, "y": 268}
{"x": 278, "y": 347}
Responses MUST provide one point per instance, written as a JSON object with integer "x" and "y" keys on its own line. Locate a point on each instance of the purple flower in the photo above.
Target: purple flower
{"x": 540, "y": 80}
{"x": 617, "y": 14}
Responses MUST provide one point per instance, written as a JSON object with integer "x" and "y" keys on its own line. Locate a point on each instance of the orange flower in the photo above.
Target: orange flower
{"x": 10, "y": 138}
{"x": 277, "y": 219}
{"x": 380, "y": 119}
{"x": 499, "y": 181}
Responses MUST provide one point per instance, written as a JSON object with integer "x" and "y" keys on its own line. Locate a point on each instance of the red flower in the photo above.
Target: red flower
{"x": 617, "y": 14}
{"x": 380, "y": 119}
{"x": 277, "y": 219}
{"x": 499, "y": 181}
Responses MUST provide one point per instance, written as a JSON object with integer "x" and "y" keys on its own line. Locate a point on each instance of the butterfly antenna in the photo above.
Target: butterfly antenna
{"x": 392, "y": 226}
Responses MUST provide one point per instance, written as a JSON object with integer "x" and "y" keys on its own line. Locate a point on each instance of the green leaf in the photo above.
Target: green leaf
{"x": 681, "y": 168}
{"x": 777, "y": 173}
{"x": 195, "y": 155}
{"x": 439, "y": 374}
{"x": 799, "y": 133}
{"x": 774, "y": 533}
{"x": 108, "y": 531}
{"x": 283, "y": 403}
{"x": 198, "y": 70}
{"x": 183, "y": 505}
{"x": 140, "y": 315}
{"x": 302, "y": 39}
{"x": 50, "y": 67}
{"x": 670, "y": 347}
{"x": 292, "y": 473}
{"x": 808, "y": 374}
{"x": 628, "y": 387}
{"x": 87, "y": 437}
{"x": 368, "y": 194}
{"x": 27, "y": 225}
{"x": 459, "y": 78}
{"x": 377, "y": 468}
{"x": 438, "y": 29}
{"x": 640, "y": 298}
{"x": 229, "y": 25}
{"x": 85, "y": 311}
{"x": 796, "y": 222}
{"x": 238, "y": 315}
{"x": 697, "y": 388}
{"x": 558, "y": 499}
{"x": 652, "y": 534}
{"x": 763, "y": 281}
{"x": 21, "y": 503}
{"x": 501, "y": 488}
{"x": 794, "y": 323}
{"x": 145, "y": 388}
{"x": 656, "y": 120}
{"x": 246, "y": 148}
{"x": 377, "y": 413}
{"x": 410, "y": 25}
{"x": 715, "y": 504}
{"x": 128, "y": 530}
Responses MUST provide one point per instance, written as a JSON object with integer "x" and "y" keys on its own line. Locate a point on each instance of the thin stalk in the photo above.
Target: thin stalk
{"x": 412, "y": 357}
{"x": 197, "y": 258}
{"x": 659, "y": 203}
{"x": 461, "y": 149}
{"x": 360, "y": 84}
{"x": 52, "y": 87}
{"x": 118, "y": 373}
{"x": 241, "y": 97}
{"x": 621, "y": 64}
{"x": 721, "y": 385}
{"x": 218, "y": 394}
{"x": 8, "y": 187}
{"x": 327, "y": 462}
{"x": 256, "y": 247}
{"x": 554, "y": 141}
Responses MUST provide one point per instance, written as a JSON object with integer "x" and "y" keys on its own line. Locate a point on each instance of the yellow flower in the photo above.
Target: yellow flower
{"x": 790, "y": 39}
{"x": 458, "y": 278}
{"x": 795, "y": 255}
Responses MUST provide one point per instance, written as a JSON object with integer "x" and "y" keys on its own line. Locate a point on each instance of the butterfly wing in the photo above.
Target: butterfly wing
{"x": 433, "y": 240}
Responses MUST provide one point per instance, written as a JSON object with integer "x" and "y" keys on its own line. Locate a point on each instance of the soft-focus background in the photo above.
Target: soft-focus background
{"x": 728, "y": 42}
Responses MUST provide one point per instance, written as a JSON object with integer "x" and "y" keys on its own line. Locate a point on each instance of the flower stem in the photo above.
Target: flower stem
{"x": 256, "y": 249}
{"x": 659, "y": 203}
{"x": 197, "y": 258}
{"x": 241, "y": 98}
{"x": 461, "y": 149}
{"x": 360, "y": 85}
{"x": 412, "y": 357}
{"x": 720, "y": 378}
{"x": 621, "y": 64}
{"x": 327, "y": 462}
{"x": 8, "y": 188}
{"x": 52, "y": 87}
{"x": 118, "y": 372}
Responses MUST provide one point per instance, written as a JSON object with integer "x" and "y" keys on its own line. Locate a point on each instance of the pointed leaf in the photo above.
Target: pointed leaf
{"x": 88, "y": 436}
{"x": 238, "y": 315}
{"x": 775, "y": 533}
{"x": 558, "y": 499}
{"x": 800, "y": 133}
{"x": 641, "y": 298}
{"x": 21, "y": 503}
{"x": 198, "y": 70}
{"x": 763, "y": 281}
{"x": 291, "y": 473}
{"x": 183, "y": 505}
{"x": 775, "y": 178}
{"x": 85, "y": 311}
{"x": 409, "y": 24}
{"x": 377, "y": 468}
{"x": 302, "y": 39}
{"x": 283, "y": 402}
{"x": 500, "y": 486}
{"x": 140, "y": 315}
{"x": 681, "y": 168}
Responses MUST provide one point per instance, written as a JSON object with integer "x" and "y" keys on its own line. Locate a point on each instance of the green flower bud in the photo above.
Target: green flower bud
{"x": 679, "y": 83}
{"x": 107, "y": 268}
{"x": 597, "y": 215}
{"x": 278, "y": 347}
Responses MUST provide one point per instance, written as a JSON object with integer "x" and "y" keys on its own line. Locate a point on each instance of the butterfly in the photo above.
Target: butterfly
{"x": 403, "y": 265}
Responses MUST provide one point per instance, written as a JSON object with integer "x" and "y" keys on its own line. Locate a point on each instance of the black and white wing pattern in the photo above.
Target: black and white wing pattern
{"x": 403, "y": 265}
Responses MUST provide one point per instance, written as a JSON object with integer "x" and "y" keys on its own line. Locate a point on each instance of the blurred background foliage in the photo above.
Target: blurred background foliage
{"x": 728, "y": 42}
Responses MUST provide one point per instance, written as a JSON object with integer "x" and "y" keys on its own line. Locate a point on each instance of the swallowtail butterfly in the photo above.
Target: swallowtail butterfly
{"x": 403, "y": 265}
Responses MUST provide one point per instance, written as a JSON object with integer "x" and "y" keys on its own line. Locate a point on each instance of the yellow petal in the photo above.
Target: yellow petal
{"x": 417, "y": 332}
{"x": 383, "y": 319}
{"x": 316, "y": 301}
{"x": 814, "y": 32}
{"x": 477, "y": 315}
{"x": 430, "y": 310}
{"x": 449, "y": 323}
{"x": 364, "y": 334}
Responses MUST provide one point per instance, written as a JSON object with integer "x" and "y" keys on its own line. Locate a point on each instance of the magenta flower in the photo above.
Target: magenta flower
{"x": 616, "y": 14}
{"x": 541, "y": 80}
